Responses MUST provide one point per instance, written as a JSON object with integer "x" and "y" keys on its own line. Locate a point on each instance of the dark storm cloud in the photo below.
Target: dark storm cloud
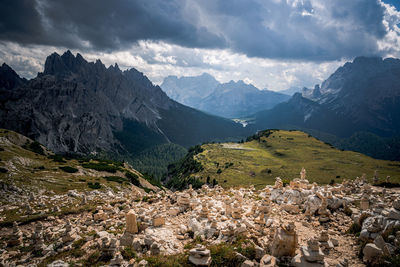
{"x": 307, "y": 29}
{"x": 19, "y": 21}
{"x": 290, "y": 29}
{"x": 100, "y": 24}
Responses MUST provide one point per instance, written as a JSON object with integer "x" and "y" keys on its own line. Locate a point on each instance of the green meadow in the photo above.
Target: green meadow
{"x": 278, "y": 153}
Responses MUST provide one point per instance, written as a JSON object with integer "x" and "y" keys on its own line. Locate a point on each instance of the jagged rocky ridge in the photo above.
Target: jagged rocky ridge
{"x": 83, "y": 107}
{"x": 362, "y": 96}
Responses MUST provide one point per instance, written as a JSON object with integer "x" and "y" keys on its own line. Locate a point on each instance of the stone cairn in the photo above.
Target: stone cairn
{"x": 155, "y": 249}
{"x": 68, "y": 235}
{"x": 117, "y": 260}
{"x": 228, "y": 207}
{"x": 204, "y": 211}
{"x": 158, "y": 220}
{"x": 263, "y": 211}
{"x": 364, "y": 179}
{"x": 324, "y": 240}
{"x": 16, "y": 236}
{"x": 184, "y": 201}
{"x": 200, "y": 256}
{"x": 108, "y": 246}
{"x": 278, "y": 183}
{"x": 285, "y": 241}
{"x": 303, "y": 174}
{"x": 375, "y": 179}
{"x": 100, "y": 215}
{"x": 236, "y": 211}
{"x": 394, "y": 212}
{"x": 131, "y": 229}
{"x": 311, "y": 255}
{"x": 84, "y": 200}
{"x": 37, "y": 237}
{"x": 364, "y": 203}
{"x": 324, "y": 213}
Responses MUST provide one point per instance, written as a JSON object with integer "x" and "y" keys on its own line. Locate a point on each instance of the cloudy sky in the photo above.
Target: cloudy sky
{"x": 274, "y": 44}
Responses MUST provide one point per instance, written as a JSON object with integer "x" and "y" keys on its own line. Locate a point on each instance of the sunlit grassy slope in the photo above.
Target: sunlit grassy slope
{"x": 27, "y": 168}
{"x": 31, "y": 168}
{"x": 283, "y": 154}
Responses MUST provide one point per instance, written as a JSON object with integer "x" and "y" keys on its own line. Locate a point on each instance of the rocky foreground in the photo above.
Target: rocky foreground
{"x": 300, "y": 224}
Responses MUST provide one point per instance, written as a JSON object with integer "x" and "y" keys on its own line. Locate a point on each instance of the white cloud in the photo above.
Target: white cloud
{"x": 390, "y": 44}
{"x": 158, "y": 60}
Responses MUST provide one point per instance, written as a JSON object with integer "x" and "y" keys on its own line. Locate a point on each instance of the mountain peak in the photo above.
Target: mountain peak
{"x": 297, "y": 95}
{"x": 68, "y": 54}
{"x": 316, "y": 92}
{"x": 55, "y": 65}
{"x": 367, "y": 60}
{"x": 4, "y": 66}
{"x": 205, "y": 74}
{"x": 8, "y": 77}
{"x": 63, "y": 65}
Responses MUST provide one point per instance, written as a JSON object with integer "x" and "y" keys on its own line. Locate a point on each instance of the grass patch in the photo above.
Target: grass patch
{"x": 128, "y": 253}
{"x": 354, "y": 229}
{"x": 95, "y": 185}
{"x": 133, "y": 178}
{"x": 101, "y": 167}
{"x": 35, "y": 147}
{"x": 96, "y": 259}
{"x": 69, "y": 169}
{"x": 117, "y": 179}
{"x": 57, "y": 158}
{"x": 169, "y": 260}
{"x": 387, "y": 184}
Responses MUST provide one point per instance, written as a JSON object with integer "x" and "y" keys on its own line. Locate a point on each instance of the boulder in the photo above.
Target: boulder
{"x": 394, "y": 214}
{"x": 312, "y": 204}
{"x": 260, "y": 252}
{"x": 268, "y": 261}
{"x": 158, "y": 221}
{"x": 247, "y": 263}
{"x": 372, "y": 254}
{"x": 396, "y": 204}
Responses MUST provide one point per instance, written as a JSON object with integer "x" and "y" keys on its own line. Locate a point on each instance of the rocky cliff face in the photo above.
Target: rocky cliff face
{"x": 360, "y": 96}
{"x": 80, "y": 106}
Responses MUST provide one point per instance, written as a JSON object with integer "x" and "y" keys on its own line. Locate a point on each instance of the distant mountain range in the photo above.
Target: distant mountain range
{"x": 76, "y": 106}
{"x": 358, "y": 101}
{"x": 82, "y": 107}
{"x": 229, "y": 100}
